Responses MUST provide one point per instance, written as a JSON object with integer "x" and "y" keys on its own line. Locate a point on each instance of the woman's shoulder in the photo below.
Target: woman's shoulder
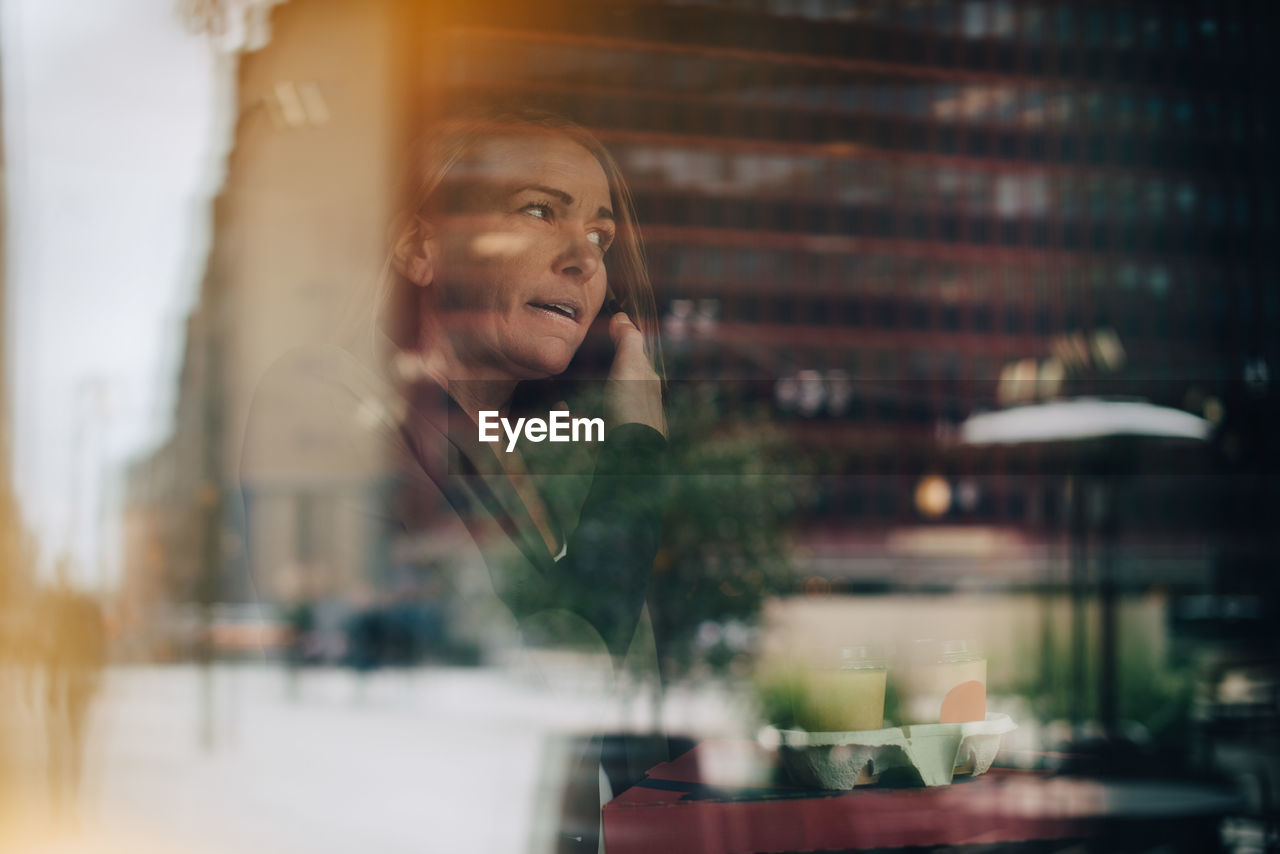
{"x": 322, "y": 369}
{"x": 318, "y": 411}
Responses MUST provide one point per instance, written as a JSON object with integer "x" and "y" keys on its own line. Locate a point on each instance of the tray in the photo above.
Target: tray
{"x": 920, "y": 754}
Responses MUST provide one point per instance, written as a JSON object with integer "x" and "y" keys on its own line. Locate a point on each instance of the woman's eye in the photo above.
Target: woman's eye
{"x": 538, "y": 210}
{"x": 601, "y": 239}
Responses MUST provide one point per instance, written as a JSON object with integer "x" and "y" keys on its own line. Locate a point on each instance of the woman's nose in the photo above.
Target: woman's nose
{"x": 580, "y": 258}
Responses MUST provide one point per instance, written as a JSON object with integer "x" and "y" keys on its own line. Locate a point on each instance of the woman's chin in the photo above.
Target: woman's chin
{"x": 544, "y": 363}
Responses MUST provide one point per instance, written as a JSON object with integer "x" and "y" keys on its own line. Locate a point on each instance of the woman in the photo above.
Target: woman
{"x": 517, "y": 232}
{"x": 520, "y": 229}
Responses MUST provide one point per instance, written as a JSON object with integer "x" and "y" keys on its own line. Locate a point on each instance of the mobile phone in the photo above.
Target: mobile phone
{"x": 582, "y": 382}
{"x": 595, "y": 357}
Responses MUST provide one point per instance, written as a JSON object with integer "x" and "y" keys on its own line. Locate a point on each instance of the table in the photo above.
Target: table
{"x": 673, "y": 810}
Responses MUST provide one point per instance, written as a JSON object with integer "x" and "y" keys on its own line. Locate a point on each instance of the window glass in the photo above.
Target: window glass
{"x": 1152, "y": 29}
{"x": 1033, "y": 110}
{"x": 1153, "y": 113}
{"x": 1186, "y": 198}
{"x": 1065, "y": 24}
{"x": 974, "y": 19}
{"x": 1155, "y": 198}
{"x": 1126, "y": 198}
{"x": 1098, "y": 196}
{"x": 1002, "y": 19}
{"x": 1158, "y": 281}
{"x": 1095, "y": 25}
{"x": 944, "y": 16}
{"x": 1123, "y": 35}
{"x": 1034, "y": 23}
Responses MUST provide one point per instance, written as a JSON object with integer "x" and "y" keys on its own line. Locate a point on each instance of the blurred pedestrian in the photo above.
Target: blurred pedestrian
{"x": 73, "y": 658}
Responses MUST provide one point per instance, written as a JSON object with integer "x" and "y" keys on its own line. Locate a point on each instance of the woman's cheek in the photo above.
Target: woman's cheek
{"x": 498, "y": 246}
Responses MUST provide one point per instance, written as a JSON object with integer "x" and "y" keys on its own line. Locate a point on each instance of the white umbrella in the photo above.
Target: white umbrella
{"x": 1079, "y": 419}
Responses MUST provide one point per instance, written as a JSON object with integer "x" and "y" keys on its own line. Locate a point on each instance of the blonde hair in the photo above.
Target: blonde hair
{"x": 399, "y": 306}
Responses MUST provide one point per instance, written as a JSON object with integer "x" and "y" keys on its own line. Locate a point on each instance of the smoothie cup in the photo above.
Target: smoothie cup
{"x": 847, "y": 694}
{"x": 942, "y": 682}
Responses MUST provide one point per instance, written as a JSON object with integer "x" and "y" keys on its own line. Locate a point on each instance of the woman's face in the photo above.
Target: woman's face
{"x": 519, "y": 271}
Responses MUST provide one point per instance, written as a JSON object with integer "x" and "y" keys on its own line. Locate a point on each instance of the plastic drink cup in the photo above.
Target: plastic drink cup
{"x": 942, "y": 682}
{"x": 848, "y": 695}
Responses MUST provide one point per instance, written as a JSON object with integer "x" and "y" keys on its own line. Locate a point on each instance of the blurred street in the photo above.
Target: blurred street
{"x": 417, "y": 760}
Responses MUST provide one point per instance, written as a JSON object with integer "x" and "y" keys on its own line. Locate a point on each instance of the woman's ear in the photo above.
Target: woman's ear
{"x": 414, "y": 252}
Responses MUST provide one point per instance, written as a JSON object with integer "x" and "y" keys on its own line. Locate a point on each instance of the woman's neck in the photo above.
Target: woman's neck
{"x": 473, "y": 390}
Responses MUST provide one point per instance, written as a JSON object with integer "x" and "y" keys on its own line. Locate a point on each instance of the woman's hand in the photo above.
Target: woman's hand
{"x": 633, "y": 392}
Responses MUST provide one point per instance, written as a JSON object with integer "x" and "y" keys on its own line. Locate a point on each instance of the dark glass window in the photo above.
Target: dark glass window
{"x": 850, "y": 312}
{"x": 948, "y": 228}
{"x": 1016, "y": 505}
{"x": 1065, "y": 25}
{"x": 1008, "y": 145}
{"x": 947, "y": 143}
{"x": 1095, "y": 27}
{"x": 883, "y": 314}
{"x": 981, "y": 318}
{"x": 950, "y": 318}
{"x": 919, "y": 315}
{"x": 781, "y": 310}
{"x": 818, "y": 311}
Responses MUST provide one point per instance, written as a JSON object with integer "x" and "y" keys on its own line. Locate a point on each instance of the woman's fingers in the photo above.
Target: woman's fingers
{"x": 634, "y": 393}
{"x": 628, "y": 341}
{"x": 630, "y": 361}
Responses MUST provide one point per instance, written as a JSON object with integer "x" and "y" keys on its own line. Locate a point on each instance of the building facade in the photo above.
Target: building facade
{"x": 866, "y": 222}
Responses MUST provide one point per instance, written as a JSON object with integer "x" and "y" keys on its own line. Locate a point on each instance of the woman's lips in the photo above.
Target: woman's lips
{"x": 565, "y": 310}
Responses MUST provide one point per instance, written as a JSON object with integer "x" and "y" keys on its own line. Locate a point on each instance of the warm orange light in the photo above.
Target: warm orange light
{"x": 933, "y": 496}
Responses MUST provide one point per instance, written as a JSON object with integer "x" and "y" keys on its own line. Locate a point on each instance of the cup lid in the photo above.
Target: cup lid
{"x": 862, "y": 655}
{"x": 926, "y": 650}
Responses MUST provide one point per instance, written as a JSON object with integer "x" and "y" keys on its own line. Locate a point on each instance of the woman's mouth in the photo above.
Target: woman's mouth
{"x": 567, "y": 310}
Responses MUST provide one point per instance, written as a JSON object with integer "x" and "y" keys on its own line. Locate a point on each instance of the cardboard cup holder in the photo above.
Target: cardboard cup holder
{"x": 918, "y": 754}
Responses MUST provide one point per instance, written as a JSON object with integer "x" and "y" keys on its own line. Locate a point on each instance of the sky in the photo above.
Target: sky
{"x": 113, "y": 151}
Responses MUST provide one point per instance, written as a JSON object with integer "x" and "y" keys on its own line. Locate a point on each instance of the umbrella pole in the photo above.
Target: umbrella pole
{"x": 1107, "y": 700}
{"x": 1078, "y": 561}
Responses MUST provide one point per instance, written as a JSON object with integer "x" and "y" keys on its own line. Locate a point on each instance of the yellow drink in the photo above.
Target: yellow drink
{"x": 842, "y": 700}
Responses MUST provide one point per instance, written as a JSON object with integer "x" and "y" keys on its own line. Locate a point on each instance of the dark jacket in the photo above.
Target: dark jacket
{"x": 610, "y": 541}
